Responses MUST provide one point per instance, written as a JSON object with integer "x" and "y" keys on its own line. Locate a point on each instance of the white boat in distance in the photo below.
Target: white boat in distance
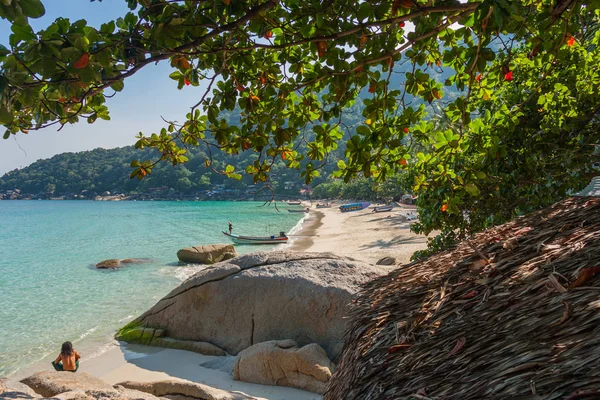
{"x": 382, "y": 209}
{"x": 304, "y": 210}
{"x": 282, "y": 238}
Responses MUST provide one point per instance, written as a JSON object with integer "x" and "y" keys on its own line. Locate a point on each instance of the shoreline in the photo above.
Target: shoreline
{"x": 362, "y": 235}
{"x": 307, "y": 232}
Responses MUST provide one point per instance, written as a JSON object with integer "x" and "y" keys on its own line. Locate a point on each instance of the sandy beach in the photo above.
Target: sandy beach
{"x": 362, "y": 235}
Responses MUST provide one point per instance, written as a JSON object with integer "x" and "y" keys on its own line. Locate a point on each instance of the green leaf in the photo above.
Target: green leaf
{"x": 176, "y": 75}
{"x": 32, "y": 8}
{"x": 4, "y": 51}
{"x": 472, "y": 189}
{"x": 5, "y": 117}
{"x": 118, "y": 86}
{"x": 363, "y": 130}
{"x": 21, "y": 33}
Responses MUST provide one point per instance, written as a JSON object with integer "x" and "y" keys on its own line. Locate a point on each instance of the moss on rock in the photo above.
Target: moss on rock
{"x": 131, "y": 333}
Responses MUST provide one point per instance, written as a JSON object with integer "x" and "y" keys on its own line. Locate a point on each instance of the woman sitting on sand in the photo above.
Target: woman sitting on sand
{"x": 68, "y": 359}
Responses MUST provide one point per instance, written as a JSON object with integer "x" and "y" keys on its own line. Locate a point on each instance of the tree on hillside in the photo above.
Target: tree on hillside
{"x": 296, "y": 66}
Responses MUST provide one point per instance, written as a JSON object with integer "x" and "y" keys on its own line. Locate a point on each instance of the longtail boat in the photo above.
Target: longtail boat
{"x": 354, "y": 207}
{"x": 382, "y": 209}
{"x": 282, "y": 238}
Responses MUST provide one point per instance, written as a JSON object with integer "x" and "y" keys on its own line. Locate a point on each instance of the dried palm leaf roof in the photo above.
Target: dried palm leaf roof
{"x": 512, "y": 314}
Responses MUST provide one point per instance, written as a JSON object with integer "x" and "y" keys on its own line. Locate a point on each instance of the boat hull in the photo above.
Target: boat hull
{"x": 382, "y": 209}
{"x": 256, "y": 239}
{"x": 354, "y": 207}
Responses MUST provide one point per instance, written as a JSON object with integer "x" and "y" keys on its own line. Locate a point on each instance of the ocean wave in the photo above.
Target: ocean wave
{"x": 295, "y": 229}
{"x": 127, "y": 318}
{"x": 99, "y": 350}
{"x": 89, "y": 331}
{"x": 184, "y": 273}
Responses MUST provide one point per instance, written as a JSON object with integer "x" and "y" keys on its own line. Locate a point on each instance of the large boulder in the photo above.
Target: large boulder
{"x": 282, "y": 363}
{"x": 208, "y": 254}
{"x": 69, "y": 386}
{"x": 118, "y": 393}
{"x": 10, "y": 389}
{"x": 52, "y": 383}
{"x": 263, "y": 296}
{"x": 183, "y": 390}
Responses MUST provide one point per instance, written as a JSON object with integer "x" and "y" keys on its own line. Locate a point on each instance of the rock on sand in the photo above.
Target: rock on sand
{"x": 260, "y": 297}
{"x": 282, "y": 363}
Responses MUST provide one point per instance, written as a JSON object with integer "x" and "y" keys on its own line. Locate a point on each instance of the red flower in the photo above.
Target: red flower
{"x": 444, "y": 207}
{"x": 570, "y": 40}
{"x": 187, "y": 82}
{"x": 405, "y": 130}
{"x": 508, "y": 76}
{"x": 401, "y": 24}
{"x": 478, "y": 77}
{"x": 268, "y": 34}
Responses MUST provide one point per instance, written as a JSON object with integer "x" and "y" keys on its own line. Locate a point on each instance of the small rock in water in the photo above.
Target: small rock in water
{"x": 134, "y": 260}
{"x": 208, "y": 254}
{"x": 112, "y": 263}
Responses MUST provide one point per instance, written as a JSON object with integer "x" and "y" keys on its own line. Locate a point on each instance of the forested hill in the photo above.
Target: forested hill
{"x": 100, "y": 170}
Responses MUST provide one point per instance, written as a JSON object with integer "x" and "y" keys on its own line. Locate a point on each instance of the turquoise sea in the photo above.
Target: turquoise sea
{"x": 50, "y": 290}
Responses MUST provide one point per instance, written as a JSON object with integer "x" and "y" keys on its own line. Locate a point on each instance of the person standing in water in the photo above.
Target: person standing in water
{"x": 68, "y": 359}
{"x": 230, "y": 226}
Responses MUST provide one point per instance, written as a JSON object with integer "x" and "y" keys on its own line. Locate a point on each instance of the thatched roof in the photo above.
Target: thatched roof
{"x": 514, "y": 314}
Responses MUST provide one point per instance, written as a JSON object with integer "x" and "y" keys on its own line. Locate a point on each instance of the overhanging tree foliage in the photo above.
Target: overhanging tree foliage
{"x": 292, "y": 66}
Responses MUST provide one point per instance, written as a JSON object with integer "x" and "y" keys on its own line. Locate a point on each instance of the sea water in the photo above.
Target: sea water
{"x": 50, "y": 290}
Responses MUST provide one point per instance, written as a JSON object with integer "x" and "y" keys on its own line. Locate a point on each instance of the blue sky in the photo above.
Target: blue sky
{"x": 147, "y": 96}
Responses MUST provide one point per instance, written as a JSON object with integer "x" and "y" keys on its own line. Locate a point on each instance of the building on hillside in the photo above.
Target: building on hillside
{"x": 251, "y": 189}
{"x": 290, "y": 185}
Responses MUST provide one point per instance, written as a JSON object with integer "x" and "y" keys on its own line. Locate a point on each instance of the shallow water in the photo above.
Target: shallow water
{"x": 51, "y": 292}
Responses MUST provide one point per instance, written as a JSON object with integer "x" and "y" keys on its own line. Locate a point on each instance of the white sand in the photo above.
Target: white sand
{"x": 362, "y": 235}
{"x": 145, "y": 364}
